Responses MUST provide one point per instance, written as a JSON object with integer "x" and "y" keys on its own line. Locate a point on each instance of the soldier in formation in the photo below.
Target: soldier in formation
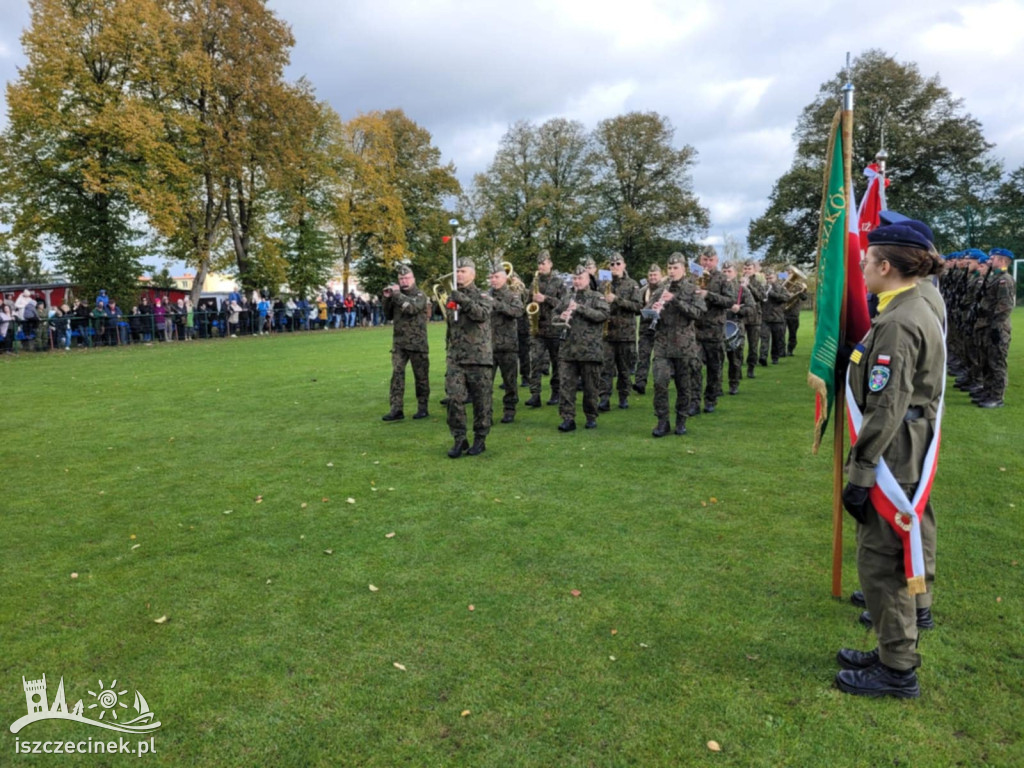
{"x": 645, "y": 336}
{"x": 406, "y": 306}
{"x": 470, "y": 377}
{"x": 741, "y": 313}
{"x": 507, "y": 309}
{"x": 718, "y": 294}
{"x": 582, "y": 316}
{"x": 546, "y": 295}
{"x": 623, "y": 296}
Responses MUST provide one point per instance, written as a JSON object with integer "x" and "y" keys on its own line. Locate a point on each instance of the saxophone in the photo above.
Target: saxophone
{"x": 607, "y": 293}
{"x": 533, "y": 308}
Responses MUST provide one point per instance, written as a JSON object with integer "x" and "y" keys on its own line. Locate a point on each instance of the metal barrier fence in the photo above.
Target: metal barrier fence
{"x": 69, "y": 331}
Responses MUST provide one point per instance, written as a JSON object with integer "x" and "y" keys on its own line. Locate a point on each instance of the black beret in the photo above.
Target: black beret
{"x": 891, "y": 217}
{"x": 900, "y": 234}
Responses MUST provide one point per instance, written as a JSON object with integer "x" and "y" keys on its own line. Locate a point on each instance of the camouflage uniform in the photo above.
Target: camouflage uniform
{"x": 470, "y": 358}
{"x": 620, "y": 337}
{"x": 407, "y": 309}
{"x": 792, "y": 318}
{"x": 675, "y": 347}
{"x": 581, "y": 353}
{"x": 977, "y": 326}
{"x": 721, "y": 294}
{"x": 645, "y": 343}
{"x": 523, "y": 333}
{"x": 775, "y": 319}
{"x": 747, "y": 310}
{"x": 758, "y": 292}
{"x": 507, "y": 309}
{"x": 544, "y": 346}
{"x": 997, "y": 304}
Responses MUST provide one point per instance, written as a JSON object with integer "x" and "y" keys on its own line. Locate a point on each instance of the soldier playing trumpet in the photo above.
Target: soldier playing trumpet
{"x": 406, "y": 305}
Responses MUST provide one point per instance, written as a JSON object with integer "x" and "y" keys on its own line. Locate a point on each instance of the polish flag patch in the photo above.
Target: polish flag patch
{"x": 883, "y": 359}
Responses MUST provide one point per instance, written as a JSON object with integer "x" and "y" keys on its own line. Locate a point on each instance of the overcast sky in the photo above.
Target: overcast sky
{"x": 732, "y": 76}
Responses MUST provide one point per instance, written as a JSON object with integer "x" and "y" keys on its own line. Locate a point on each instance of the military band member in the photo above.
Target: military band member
{"x": 718, "y": 294}
{"x": 544, "y": 345}
{"x": 581, "y": 353}
{"x": 742, "y": 312}
{"x": 676, "y": 306}
{"x": 791, "y": 314}
{"x": 997, "y": 304}
{"x": 507, "y": 309}
{"x": 406, "y": 306}
{"x": 645, "y": 338}
{"x": 623, "y": 297}
{"x": 470, "y": 356}
{"x": 753, "y": 283}
{"x": 774, "y": 318}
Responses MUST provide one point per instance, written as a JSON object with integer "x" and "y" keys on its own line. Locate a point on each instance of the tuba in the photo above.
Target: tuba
{"x": 514, "y": 283}
{"x": 533, "y": 308}
{"x": 795, "y": 284}
{"x": 440, "y": 292}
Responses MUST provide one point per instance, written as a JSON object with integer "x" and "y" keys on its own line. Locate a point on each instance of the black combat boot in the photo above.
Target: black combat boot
{"x": 693, "y": 410}
{"x": 879, "y": 680}
{"x": 478, "y": 447}
{"x": 509, "y": 417}
{"x": 849, "y": 658}
{"x": 553, "y": 400}
{"x": 734, "y": 389}
{"x": 709, "y": 407}
{"x": 640, "y": 388}
{"x": 623, "y": 402}
{"x": 567, "y": 425}
{"x": 460, "y": 447}
{"x": 750, "y": 372}
{"x": 661, "y": 429}
{"x": 591, "y": 424}
{"x": 680, "y": 427}
{"x": 991, "y": 403}
{"x": 857, "y": 598}
{"x": 533, "y": 402}
{"x": 421, "y": 413}
{"x": 924, "y": 619}
{"x": 445, "y": 400}
{"x": 604, "y": 405}
{"x": 393, "y": 416}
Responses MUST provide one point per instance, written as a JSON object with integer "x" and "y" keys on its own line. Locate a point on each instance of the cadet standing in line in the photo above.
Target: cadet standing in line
{"x": 675, "y": 306}
{"x": 406, "y": 306}
{"x": 507, "y": 309}
{"x": 775, "y": 319}
{"x": 470, "y": 357}
{"x": 645, "y": 340}
{"x": 624, "y": 300}
{"x": 752, "y": 284}
{"x": 896, "y": 378}
{"x": 998, "y": 301}
{"x": 547, "y": 293}
{"x": 791, "y": 314}
{"x": 740, "y": 313}
{"x": 718, "y": 294}
{"x": 581, "y": 352}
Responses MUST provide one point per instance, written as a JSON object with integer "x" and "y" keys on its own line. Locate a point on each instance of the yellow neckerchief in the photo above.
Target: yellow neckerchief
{"x": 886, "y": 296}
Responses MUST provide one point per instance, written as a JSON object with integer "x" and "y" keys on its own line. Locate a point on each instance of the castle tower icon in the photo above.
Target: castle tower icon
{"x": 35, "y": 694}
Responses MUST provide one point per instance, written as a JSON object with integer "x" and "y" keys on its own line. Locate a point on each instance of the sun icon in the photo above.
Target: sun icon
{"x": 108, "y": 699}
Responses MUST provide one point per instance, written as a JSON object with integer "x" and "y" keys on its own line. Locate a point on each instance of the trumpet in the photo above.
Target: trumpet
{"x": 391, "y": 290}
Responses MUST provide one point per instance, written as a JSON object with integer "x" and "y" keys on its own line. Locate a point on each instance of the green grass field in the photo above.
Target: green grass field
{"x": 207, "y": 482}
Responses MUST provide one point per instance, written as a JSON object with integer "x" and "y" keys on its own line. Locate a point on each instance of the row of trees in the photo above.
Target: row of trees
{"x": 167, "y": 126}
{"x": 941, "y": 167}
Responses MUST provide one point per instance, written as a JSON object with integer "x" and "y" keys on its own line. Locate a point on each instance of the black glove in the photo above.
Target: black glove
{"x": 855, "y": 501}
{"x": 457, "y": 296}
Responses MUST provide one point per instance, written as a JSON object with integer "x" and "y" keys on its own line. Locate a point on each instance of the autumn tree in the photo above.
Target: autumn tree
{"x": 644, "y": 188}
{"x": 939, "y": 165}
{"x": 78, "y": 159}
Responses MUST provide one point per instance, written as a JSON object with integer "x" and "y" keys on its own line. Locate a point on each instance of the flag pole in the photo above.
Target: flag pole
{"x": 840, "y": 399}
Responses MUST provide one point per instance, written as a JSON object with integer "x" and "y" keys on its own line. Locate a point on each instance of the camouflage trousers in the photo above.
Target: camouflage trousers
{"x": 665, "y": 371}
{"x": 753, "y": 332}
{"x": 764, "y": 342}
{"x": 735, "y": 359}
{"x": 643, "y": 358}
{"x": 619, "y": 358}
{"x": 571, "y": 372}
{"x": 543, "y": 352}
{"x": 884, "y": 583}
{"x": 469, "y": 384}
{"x": 994, "y": 367}
{"x": 712, "y": 355}
{"x": 524, "y": 356}
{"x": 420, "y": 372}
{"x": 777, "y": 339}
{"x": 508, "y": 364}
{"x": 977, "y": 354}
{"x": 792, "y": 326}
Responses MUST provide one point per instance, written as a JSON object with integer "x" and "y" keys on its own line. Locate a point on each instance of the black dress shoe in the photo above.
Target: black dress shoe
{"x": 991, "y": 404}
{"x": 879, "y": 680}
{"x": 623, "y": 403}
{"x": 421, "y": 414}
{"x": 661, "y": 429}
{"x": 709, "y": 408}
{"x": 553, "y": 400}
{"x": 533, "y": 402}
{"x": 460, "y": 447}
{"x": 477, "y": 448}
{"x": 924, "y": 619}
{"x": 591, "y": 424}
{"x": 568, "y": 425}
{"x": 393, "y": 416}
{"x": 857, "y": 598}
{"x": 680, "y": 429}
{"x": 508, "y": 418}
{"x": 639, "y": 388}
{"x": 849, "y": 658}
{"x": 604, "y": 406}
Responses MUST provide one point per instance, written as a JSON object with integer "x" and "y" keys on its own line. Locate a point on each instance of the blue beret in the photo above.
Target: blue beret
{"x": 977, "y": 254}
{"x": 902, "y": 234}
{"x": 1002, "y": 252}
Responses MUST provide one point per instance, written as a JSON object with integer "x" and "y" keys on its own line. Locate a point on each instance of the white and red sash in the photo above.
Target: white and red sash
{"x": 888, "y": 497}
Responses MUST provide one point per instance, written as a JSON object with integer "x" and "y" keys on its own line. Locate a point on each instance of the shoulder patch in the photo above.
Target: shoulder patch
{"x": 879, "y": 378}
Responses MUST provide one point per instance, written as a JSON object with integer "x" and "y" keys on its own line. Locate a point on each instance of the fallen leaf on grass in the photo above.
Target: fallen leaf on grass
{"x": 136, "y": 546}
{"x": 714, "y": 500}
{"x": 330, "y": 463}
{"x": 328, "y": 551}
{"x": 615, "y": 631}
{"x": 268, "y": 581}
{"x": 465, "y": 713}
{"x": 227, "y": 512}
{"x": 611, "y": 658}
{"x": 752, "y": 657}
{"x": 389, "y": 535}
{"x": 303, "y": 505}
{"x": 258, "y": 499}
{"x": 703, "y": 503}
{"x": 472, "y": 607}
{"x": 325, "y": 500}
{"x": 162, "y": 620}
{"x": 132, "y": 536}
{"x": 399, "y": 666}
{"x": 74, "y": 575}
{"x": 575, "y": 593}
{"x": 374, "y": 589}
{"x": 644, "y": 645}
{"x": 350, "y": 500}
{"x": 714, "y": 746}
{"x": 999, "y": 599}
{"x": 1002, "y": 469}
